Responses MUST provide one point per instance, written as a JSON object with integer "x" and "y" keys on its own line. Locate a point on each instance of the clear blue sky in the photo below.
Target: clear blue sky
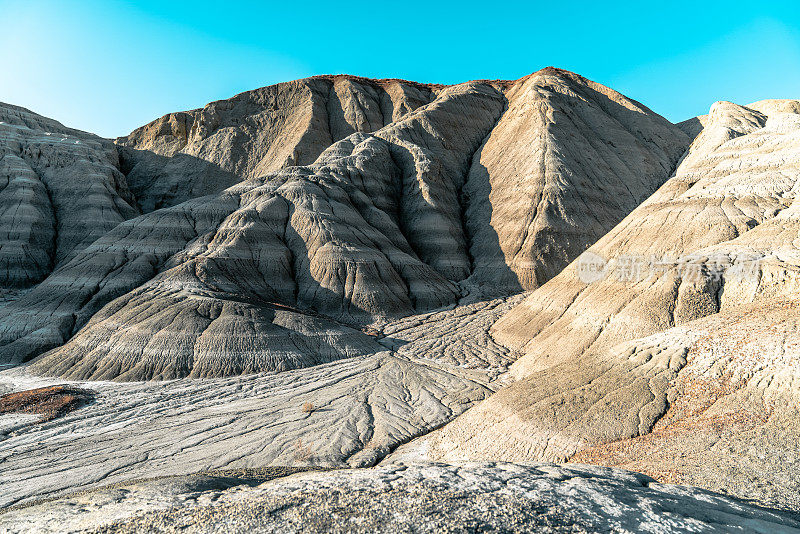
{"x": 110, "y": 66}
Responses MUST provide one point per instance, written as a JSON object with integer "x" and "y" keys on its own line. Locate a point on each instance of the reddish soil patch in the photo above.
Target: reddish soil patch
{"x": 685, "y": 428}
{"x": 49, "y": 402}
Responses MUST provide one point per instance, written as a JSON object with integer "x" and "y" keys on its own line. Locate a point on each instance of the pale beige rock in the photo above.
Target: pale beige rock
{"x": 721, "y": 382}
{"x": 732, "y": 422}
{"x": 739, "y": 173}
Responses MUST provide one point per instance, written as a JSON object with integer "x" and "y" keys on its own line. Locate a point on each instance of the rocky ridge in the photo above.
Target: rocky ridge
{"x": 695, "y": 353}
{"x": 203, "y": 151}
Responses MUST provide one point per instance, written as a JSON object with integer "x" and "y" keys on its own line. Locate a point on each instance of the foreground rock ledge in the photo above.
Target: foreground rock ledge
{"x": 420, "y": 497}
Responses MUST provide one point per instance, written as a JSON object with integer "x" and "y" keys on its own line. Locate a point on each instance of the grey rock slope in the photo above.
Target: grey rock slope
{"x": 350, "y": 412}
{"x": 325, "y": 238}
{"x": 682, "y": 360}
{"x": 282, "y": 271}
{"x": 60, "y": 189}
{"x": 407, "y": 498}
{"x": 194, "y": 153}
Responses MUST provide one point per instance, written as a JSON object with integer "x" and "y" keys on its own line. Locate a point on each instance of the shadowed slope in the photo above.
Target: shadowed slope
{"x": 60, "y": 189}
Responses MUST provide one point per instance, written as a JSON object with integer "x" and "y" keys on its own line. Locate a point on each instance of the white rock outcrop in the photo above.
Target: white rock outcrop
{"x": 416, "y": 497}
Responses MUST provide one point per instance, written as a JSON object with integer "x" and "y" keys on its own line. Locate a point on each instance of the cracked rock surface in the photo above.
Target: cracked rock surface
{"x": 407, "y": 498}
{"x": 350, "y": 412}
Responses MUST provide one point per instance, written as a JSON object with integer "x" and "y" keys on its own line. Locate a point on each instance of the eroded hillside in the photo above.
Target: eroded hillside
{"x": 287, "y": 269}
{"x": 335, "y": 266}
{"x": 681, "y": 359}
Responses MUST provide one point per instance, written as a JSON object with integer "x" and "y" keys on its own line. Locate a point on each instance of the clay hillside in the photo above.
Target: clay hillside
{"x": 338, "y": 271}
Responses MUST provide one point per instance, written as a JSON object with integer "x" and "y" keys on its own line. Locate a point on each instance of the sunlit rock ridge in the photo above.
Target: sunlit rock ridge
{"x": 338, "y": 271}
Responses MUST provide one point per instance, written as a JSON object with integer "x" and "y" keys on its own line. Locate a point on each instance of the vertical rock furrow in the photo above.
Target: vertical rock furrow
{"x": 567, "y": 161}
{"x": 433, "y": 148}
{"x": 27, "y": 230}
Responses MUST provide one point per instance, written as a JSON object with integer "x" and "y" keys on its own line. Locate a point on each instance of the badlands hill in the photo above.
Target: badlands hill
{"x": 318, "y": 272}
{"x": 60, "y": 190}
{"x": 488, "y": 189}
